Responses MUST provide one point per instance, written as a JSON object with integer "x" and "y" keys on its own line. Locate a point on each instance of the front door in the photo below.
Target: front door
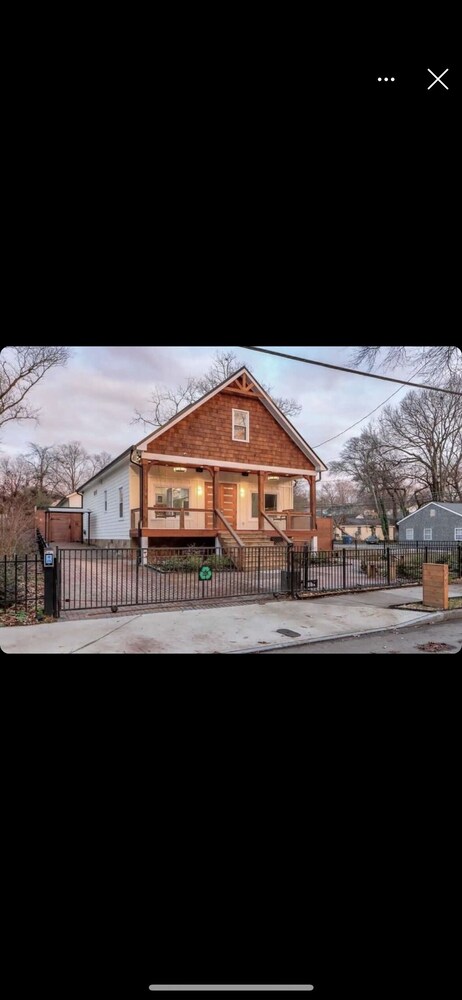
{"x": 227, "y": 502}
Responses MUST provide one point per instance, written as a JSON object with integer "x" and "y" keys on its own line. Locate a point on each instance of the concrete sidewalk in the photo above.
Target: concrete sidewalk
{"x": 232, "y": 629}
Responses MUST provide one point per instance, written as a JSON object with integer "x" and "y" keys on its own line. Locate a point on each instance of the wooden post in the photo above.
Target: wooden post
{"x": 144, "y": 509}
{"x": 435, "y": 577}
{"x": 313, "y": 502}
{"x": 215, "y": 472}
{"x": 261, "y": 500}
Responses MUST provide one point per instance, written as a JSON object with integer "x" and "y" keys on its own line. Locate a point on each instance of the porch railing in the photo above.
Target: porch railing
{"x": 296, "y": 519}
{"x": 275, "y": 527}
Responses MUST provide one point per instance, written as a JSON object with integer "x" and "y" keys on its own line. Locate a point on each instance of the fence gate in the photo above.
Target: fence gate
{"x": 116, "y": 578}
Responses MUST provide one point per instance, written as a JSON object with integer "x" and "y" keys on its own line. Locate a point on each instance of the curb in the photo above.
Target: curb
{"x": 342, "y": 635}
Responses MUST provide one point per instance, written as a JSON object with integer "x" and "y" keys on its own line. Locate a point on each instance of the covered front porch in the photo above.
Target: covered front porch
{"x": 181, "y": 498}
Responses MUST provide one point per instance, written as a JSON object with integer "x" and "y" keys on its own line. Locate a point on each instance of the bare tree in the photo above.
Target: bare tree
{"x": 424, "y": 438}
{"x": 72, "y": 466}
{"x": 15, "y": 477}
{"x": 438, "y": 362}
{"x": 20, "y": 370}
{"x": 99, "y": 461}
{"x": 371, "y": 465}
{"x": 165, "y": 403}
{"x": 41, "y": 465}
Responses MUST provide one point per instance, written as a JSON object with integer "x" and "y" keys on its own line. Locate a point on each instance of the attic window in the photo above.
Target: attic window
{"x": 240, "y": 425}
{"x": 432, "y": 512}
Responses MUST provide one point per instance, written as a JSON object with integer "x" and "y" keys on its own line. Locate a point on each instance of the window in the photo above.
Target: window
{"x": 428, "y": 534}
{"x": 271, "y": 503}
{"x": 105, "y": 499}
{"x": 458, "y": 534}
{"x": 121, "y": 501}
{"x": 172, "y": 496}
{"x": 240, "y": 425}
{"x": 409, "y": 534}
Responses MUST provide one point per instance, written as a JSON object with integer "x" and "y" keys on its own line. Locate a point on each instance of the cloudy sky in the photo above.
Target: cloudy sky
{"x": 93, "y": 399}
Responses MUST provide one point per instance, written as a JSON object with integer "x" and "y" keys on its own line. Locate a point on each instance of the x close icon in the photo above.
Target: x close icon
{"x": 438, "y": 79}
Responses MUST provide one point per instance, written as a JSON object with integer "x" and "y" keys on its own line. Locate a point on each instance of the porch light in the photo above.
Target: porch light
{"x": 179, "y": 468}
{"x": 273, "y": 477}
{"x": 199, "y": 491}
{"x": 242, "y": 491}
{"x": 244, "y": 473}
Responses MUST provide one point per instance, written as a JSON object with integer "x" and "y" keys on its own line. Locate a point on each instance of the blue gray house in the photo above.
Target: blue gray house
{"x": 434, "y": 522}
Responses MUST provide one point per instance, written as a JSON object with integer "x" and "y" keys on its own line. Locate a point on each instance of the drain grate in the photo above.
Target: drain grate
{"x": 288, "y": 631}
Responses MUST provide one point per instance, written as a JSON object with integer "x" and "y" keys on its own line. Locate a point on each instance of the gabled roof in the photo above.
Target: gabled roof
{"x": 454, "y": 508}
{"x": 269, "y": 403}
{"x": 262, "y": 395}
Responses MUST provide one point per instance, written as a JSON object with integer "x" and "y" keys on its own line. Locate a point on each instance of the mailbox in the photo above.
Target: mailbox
{"x": 48, "y": 557}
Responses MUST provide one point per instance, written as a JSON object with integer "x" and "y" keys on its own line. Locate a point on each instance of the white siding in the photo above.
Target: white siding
{"x": 107, "y": 525}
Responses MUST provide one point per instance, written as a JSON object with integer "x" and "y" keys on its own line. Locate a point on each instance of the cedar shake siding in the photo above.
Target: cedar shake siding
{"x": 208, "y": 431}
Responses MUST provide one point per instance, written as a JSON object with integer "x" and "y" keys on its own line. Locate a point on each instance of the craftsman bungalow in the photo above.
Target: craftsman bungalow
{"x": 220, "y": 472}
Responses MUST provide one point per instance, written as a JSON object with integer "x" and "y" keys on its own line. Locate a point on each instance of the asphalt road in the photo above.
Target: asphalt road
{"x": 402, "y": 640}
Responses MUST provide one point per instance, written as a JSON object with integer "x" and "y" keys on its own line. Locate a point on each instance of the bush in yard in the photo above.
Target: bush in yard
{"x": 411, "y": 568}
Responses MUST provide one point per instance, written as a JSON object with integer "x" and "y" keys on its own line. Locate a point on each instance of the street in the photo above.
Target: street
{"x": 403, "y": 640}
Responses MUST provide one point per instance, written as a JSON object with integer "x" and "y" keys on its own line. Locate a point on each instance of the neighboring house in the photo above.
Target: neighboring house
{"x": 362, "y": 527}
{"x": 434, "y": 522}
{"x": 72, "y": 500}
{"x": 220, "y": 472}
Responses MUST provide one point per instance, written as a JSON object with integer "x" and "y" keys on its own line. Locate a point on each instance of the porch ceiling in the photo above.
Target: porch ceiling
{"x": 193, "y": 462}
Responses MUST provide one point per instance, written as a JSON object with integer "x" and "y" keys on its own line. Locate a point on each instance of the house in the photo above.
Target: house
{"x": 434, "y": 522}
{"x": 363, "y": 526}
{"x": 71, "y": 500}
{"x": 221, "y": 472}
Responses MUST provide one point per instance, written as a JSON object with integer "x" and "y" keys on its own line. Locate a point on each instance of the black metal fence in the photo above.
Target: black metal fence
{"x": 21, "y": 586}
{"x": 115, "y": 578}
{"x": 393, "y": 566}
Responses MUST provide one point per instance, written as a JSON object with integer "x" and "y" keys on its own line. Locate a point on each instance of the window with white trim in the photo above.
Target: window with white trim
{"x": 409, "y": 534}
{"x": 241, "y": 425}
{"x": 458, "y": 534}
{"x": 428, "y": 532}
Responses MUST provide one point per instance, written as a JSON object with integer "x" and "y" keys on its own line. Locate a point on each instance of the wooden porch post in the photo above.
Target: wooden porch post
{"x": 313, "y": 502}
{"x": 261, "y": 500}
{"x": 215, "y": 472}
{"x": 144, "y": 494}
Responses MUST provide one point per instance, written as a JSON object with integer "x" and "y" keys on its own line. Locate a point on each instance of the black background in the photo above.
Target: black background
{"x": 246, "y": 823}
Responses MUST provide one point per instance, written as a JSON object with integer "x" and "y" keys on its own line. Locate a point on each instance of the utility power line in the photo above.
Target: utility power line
{"x": 394, "y": 393}
{"x": 351, "y": 371}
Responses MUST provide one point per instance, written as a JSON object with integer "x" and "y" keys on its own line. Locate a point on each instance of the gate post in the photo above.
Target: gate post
{"x": 388, "y": 566}
{"x": 50, "y": 575}
{"x": 344, "y": 567}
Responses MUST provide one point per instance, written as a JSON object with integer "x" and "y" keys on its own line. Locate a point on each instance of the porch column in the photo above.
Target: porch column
{"x": 313, "y": 502}
{"x": 216, "y": 522}
{"x": 144, "y": 493}
{"x": 261, "y": 500}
